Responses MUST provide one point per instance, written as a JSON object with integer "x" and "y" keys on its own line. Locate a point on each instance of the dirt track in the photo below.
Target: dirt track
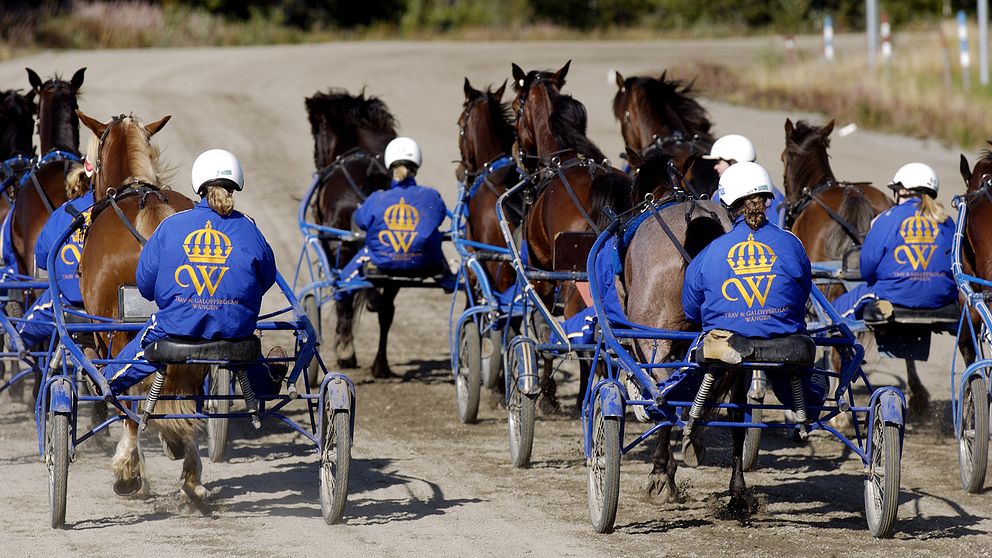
{"x": 422, "y": 484}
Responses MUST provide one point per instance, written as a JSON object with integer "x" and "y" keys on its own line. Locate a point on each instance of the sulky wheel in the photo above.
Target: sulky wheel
{"x": 468, "y": 379}
{"x": 522, "y": 414}
{"x": 604, "y": 471}
{"x": 752, "y": 437}
{"x": 335, "y": 463}
{"x": 57, "y": 459}
{"x": 882, "y": 476}
{"x": 492, "y": 358}
{"x": 312, "y": 310}
{"x": 217, "y": 428}
{"x": 973, "y": 443}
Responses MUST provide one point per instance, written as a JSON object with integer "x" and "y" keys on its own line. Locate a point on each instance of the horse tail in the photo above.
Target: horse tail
{"x": 181, "y": 380}
{"x": 151, "y": 215}
{"x": 856, "y": 210}
{"x": 613, "y": 190}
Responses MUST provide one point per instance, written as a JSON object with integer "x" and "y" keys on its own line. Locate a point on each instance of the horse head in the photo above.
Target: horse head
{"x": 16, "y": 124}
{"x": 340, "y": 122}
{"x": 58, "y": 126}
{"x": 805, "y": 160}
{"x": 533, "y": 106}
{"x": 121, "y": 152}
{"x": 485, "y": 130}
{"x": 975, "y": 179}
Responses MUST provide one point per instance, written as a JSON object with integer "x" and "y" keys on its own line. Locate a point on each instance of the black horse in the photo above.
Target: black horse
{"x": 350, "y": 134}
{"x": 16, "y": 140}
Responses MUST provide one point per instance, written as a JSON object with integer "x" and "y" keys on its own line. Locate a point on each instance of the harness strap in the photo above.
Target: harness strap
{"x": 844, "y": 225}
{"x": 578, "y": 204}
{"x": 120, "y": 214}
{"x": 42, "y": 194}
{"x": 655, "y": 211}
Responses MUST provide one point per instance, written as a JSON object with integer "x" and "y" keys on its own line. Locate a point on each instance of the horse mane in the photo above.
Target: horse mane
{"x": 143, "y": 157}
{"x": 501, "y": 116}
{"x": 568, "y": 124}
{"x": 652, "y": 175}
{"x": 343, "y": 114}
{"x": 806, "y": 143}
{"x": 672, "y": 100}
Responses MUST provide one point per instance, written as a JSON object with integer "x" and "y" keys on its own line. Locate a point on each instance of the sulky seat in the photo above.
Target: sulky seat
{"x": 792, "y": 350}
{"x": 879, "y": 312}
{"x": 175, "y": 350}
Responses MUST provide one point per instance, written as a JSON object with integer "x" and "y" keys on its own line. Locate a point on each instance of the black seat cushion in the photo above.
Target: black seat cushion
{"x": 949, "y": 314}
{"x": 791, "y": 350}
{"x": 175, "y": 350}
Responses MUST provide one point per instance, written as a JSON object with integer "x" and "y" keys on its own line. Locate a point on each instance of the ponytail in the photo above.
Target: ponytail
{"x": 753, "y": 209}
{"x": 402, "y": 171}
{"x": 76, "y": 182}
{"x": 929, "y": 207}
{"x": 220, "y": 200}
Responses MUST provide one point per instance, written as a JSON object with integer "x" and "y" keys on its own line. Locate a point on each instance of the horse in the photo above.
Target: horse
{"x": 16, "y": 143}
{"x": 486, "y": 135}
{"x": 828, "y": 216}
{"x": 129, "y": 174}
{"x": 976, "y": 251}
{"x": 662, "y": 114}
{"x": 651, "y": 293}
{"x": 350, "y": 134}
{"x": 58, "y": 134}
{"x": 579, "y": 183}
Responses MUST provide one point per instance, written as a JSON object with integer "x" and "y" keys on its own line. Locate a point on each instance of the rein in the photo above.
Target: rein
{"x": 552, "y": 167}
{"x": 981, "y": 193}
{"x": 339, "y": 163}
{"x": 134, "y": 187}
{"x": 810, "y": 195}
{"x": 483, "y": 176}
{"x": 67, "y": 158}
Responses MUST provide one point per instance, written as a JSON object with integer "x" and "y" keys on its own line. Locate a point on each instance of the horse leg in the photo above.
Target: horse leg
{"x": 344, "y": 341}
{"x": 738, "y": 507}
{"x": 919, "y": 397}
{"x": 661, "y": 481}
{"x": 128, "y": 463}
{"x": 192, "y": 486}
{"x": 387, "y": 310}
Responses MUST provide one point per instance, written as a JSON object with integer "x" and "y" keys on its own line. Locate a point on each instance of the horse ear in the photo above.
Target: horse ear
{"x": 467, "y": 88}
{"x": 561, "y": 73}
{"x": 789, "y": 126}
{"x": 965, "y": 170}
{"x": 825, "y": 131}
{"x": 95, "y": 126}
{"x": 518, "y": 75}
{"x": 33, "y": 79}
{"x": 634, "y": 158}
{"x": 620, "y": 80}
{"x": 499, "y": 92}
{"x": 30, "y": 97}
{"x": 77, "y": 79}
{"x": 154, "y": 127}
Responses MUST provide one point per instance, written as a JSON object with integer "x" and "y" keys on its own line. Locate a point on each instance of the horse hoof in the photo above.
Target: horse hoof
{"x": 197, "y": 498}
{"x": 381, "y": 372}
{"x": 693, "y": 454}
{"x": 662, "y": 490}
{"x": 549, "y": 406}
{"x": 350, "y": 362}
{"x": 127, "y": 487}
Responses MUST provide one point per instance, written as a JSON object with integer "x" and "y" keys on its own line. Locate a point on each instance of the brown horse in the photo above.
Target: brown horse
{"x": 578, "y": 184}
{"x": 662, "y": 114}
{"x": 485, "y": 135}
{"x": 16, "y": 140}
{"x": 977, "y": 246}
{"x": 350, "y": 133}
{"x": 651, "y": 291}
{"x": 58, "y": 129}
{"x": 811, "y": 189}
{"x": 127, "y": 167}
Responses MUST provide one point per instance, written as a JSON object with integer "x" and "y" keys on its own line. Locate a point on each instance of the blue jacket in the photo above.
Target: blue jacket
{"x": 906, "y": 258}
{"x": 67, "y": 262}
{"x": 774, "y": 211}
{"x": 401, "y": 226}
{"x": 755, "y": 283}
{"x": 206, "y": 273}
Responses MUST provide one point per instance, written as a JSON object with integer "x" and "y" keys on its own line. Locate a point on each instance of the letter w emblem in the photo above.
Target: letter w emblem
{"x": 753, "y": 292}
{"x": 917, "y": 255}
{"x": 206, "y": 274}
{"x": 399, "y": 240}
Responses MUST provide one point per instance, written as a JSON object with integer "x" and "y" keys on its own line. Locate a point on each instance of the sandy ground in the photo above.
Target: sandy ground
{"x": 422, "y": 484}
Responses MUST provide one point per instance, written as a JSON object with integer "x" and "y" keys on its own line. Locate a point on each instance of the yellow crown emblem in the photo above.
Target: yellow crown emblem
{"x": 750, "y": 257}
{"x": 918, "y": 230}
{"x": 401, "y": 216}
{"x": 207, "y": 245}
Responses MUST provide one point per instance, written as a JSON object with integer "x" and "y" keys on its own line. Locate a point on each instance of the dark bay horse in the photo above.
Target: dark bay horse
{"x": 128, "y": 169}
{"x": 485, "y": 135}
{"x": 350, "y": 134}
{"x": 977, "y": 246}
{"x": 58, "y": 129}
{"x": 16, "y": 143}
{"x": 828, "y": 216}
{"x": 651, "y": 292}
{"x": 578, "y": 184}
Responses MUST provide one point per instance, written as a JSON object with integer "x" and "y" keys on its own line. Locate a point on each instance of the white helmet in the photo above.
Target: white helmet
{"x": 742, "y": 180}
{"x": 217, "y": 164}
{"x": 732, "y": 147}
{"x": 403, "y": 149}
{"x": 916, "y": 175}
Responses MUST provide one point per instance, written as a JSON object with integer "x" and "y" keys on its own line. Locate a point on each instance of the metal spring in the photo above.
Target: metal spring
{"x": 704, "y": 392}
{"x": 152, "y": 399}
{"x": 798, "y": 398}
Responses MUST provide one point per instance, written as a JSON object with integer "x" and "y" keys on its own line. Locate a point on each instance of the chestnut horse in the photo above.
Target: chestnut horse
{"x": 662, "y": 114}
{"x": 129, "y": 172}
{"x": 486, "y": 135}
{"x": 651, "y": 292}
{"x": 578, "y": 184}
{"x": 976, "y": 248}
{"x": 350, "y": 134}
{"x": 16, "y": 143}
{"x": 58, "y": 129}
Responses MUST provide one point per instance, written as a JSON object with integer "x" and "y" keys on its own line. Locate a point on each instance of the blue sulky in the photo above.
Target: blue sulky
{"x": 970, "y": 387}
{"x": 330, "y": 403}
{"x": 675, "y": 401}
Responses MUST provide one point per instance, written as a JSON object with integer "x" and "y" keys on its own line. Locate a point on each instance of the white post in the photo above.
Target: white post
{"x": 965, "y": 55}
{"x": 886, "y": 31}
{"x": 983, "y": 42}
{"x": 828, "y": 38}
{"x": 871, "y": 15}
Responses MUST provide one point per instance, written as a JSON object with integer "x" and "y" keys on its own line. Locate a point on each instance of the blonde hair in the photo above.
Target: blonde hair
{"x": 930, "y": 207}
{"x": 220, "y": 200}
{"x": 76, "y": 182}
{"x": 402, "y": 171}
